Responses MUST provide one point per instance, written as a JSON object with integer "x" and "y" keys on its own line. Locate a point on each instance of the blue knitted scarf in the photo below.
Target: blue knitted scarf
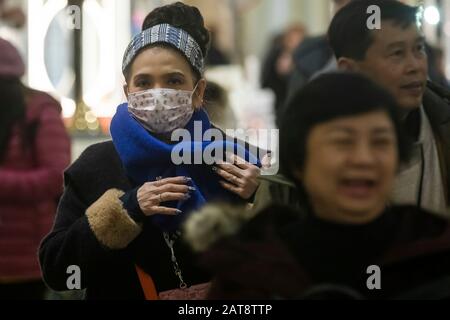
{"x": 145, "y": 158}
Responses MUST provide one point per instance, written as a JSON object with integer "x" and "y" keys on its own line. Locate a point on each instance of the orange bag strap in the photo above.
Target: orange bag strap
{"x": 147, "y": 284}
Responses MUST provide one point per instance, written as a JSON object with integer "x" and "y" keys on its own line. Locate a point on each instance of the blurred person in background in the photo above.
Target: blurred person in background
{"x": 314, "y": 55}
{"x": 13, "y": 16}
{"x": 218, "y": 108}
{"x": 34, "y": 151}
{"x": 279, "y": 64}
{"x": 216, "y": 56}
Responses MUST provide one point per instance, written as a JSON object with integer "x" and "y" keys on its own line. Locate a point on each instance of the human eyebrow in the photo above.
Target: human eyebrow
{"x": 395, "y": 45}
{"x": 399, "y": 44}
{"x": 382, "y": 131}
{"x": 350, "y": 131}
{"x": 141, "y": 76}
{"x": 340, "y": 129}
{"x": 175, "y": 73}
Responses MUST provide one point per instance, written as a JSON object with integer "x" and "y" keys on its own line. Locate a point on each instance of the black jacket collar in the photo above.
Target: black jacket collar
{"x": 436, "y": 102}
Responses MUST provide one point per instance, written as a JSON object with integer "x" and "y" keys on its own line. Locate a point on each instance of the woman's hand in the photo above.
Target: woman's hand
{"x": 241, "y": 177}
{"x": 152, "y": 194}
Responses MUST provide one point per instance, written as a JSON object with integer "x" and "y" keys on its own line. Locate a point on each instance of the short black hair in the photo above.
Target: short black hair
{"x": 328, "y": 97}
{"x": 181, "y": 16}
{"x": 348, "y": 33}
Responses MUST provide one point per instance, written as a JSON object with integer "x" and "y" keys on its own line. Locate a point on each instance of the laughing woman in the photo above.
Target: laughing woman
{"x": 343, "y": 152}
{"x": 124, "y": 200}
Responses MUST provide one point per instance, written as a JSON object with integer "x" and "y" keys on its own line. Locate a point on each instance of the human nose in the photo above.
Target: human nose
{"x": 158, "y": 85}
{"x": 362, "y": 154}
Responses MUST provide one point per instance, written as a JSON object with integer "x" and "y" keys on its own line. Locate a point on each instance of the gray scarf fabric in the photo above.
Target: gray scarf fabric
{"x": 420, "y": 181}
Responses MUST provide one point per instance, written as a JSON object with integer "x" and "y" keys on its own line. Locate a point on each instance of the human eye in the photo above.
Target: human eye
{"x": 397, "y": 53}
{"x": 175, "y": 81}
{"x": 142, "y": 83}
{"x": 382, "y": 142}
{"x": 341, "y": 141}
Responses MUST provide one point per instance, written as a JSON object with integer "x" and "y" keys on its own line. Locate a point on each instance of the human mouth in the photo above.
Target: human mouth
{"x": 415, "y": 88}
{"x": 358, "y": 188}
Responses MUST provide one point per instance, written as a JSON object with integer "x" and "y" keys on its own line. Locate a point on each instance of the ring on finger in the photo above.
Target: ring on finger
{"x": 160, "y": 198}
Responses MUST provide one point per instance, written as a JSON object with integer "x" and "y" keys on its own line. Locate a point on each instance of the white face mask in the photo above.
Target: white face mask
{"x": 161, "y": 110}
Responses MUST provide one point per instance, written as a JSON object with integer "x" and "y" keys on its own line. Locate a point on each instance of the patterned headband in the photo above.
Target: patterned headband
{"x": 165, "y": 33}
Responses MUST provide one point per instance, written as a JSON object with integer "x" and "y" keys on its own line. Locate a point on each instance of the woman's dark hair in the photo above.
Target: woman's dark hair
{"x": 12, "y": 110}
{"x": 326, "y": 98}
{"x": 183, "y": 17}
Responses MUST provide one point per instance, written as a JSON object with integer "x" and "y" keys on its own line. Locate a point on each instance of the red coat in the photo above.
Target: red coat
{"x": 30, "y": 184}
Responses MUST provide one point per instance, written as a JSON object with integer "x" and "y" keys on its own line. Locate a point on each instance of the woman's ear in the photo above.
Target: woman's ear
{"x": 199, "y": 94}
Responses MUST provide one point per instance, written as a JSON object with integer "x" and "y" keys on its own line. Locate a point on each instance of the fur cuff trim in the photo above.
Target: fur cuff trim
{"x": 110, "y": 222}
{"x": 214, "y": 222}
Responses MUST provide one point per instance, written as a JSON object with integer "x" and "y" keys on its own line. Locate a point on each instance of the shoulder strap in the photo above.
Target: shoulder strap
{"x": 147, "y": 284}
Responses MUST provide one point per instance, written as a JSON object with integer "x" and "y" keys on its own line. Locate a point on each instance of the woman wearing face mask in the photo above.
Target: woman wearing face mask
{"x": 343, "y": 152}
{"x": 124, "y": 201}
